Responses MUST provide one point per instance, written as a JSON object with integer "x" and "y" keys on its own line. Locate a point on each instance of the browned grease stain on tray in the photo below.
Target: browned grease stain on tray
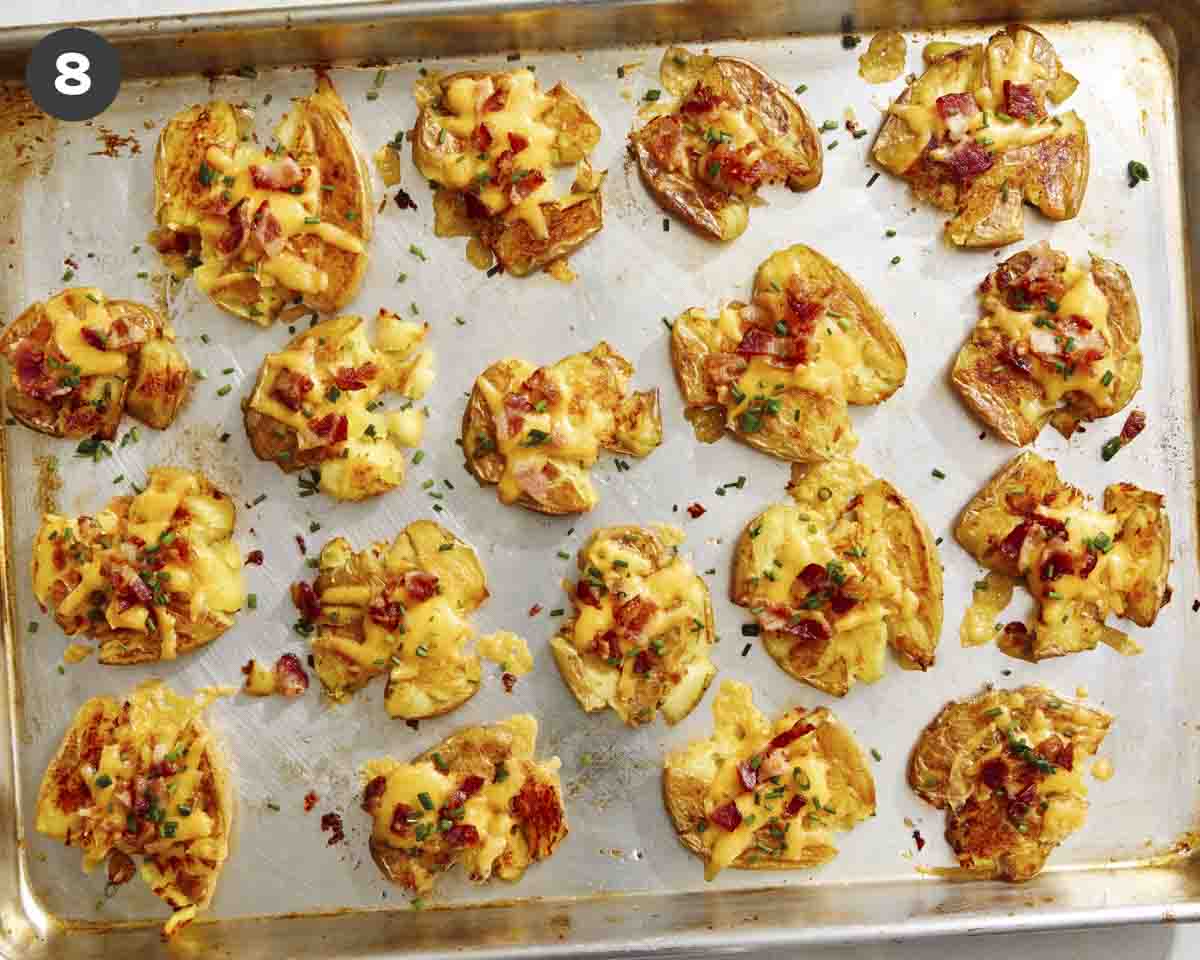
{"x": 49, "y": 482}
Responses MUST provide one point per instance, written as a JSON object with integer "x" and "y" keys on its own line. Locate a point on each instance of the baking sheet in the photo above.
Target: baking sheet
{"x": 97, "y": 208}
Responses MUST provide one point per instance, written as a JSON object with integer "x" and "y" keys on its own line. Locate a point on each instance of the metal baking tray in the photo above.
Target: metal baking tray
{"x": 620, "y": 884}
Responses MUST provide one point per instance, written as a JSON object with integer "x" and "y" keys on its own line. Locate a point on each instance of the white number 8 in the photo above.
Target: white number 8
{"x": 72, "y": 79}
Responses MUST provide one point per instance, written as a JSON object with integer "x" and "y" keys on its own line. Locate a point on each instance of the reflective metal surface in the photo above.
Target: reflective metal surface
{"x": 620, "y": 884}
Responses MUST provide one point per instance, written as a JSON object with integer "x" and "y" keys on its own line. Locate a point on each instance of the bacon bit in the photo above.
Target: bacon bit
{"x": 586, "y": 593}
{"x": 535, "y": 609}
{"x": 757, "y": 342}
{"x": 267, "y": 230}
{"x": 642, "y": 662}
{"x": 310, "y": 801}
{"x": 280, "y": 173}
{"x": 1019, "y": 101}
{"x": 306, "y": 601}
{"x": 608, "y": 645}
{"x": 93, "y": 338}
{"x": 1090, "y": 559}
{"x": 404, "y": 201}
{"x": 400, "y": 817}
{"x": 727, "y": 816}
{"x": 389, "y": 614}
{"x": 1056, "y": 565}
{"x": 799, "y": 729}
{"x": 495, "y": 102}
{"x": 814, "y": 576}
{"x": 482, "y": 138}
{"x": 476, "y": 208}
{"x": 841, "y": 603}
{"x": 969, "y": 160}
{"x": 1016, "y": 628}
{"x": 290, "y": 388}
{"x": 509, "y": 681}
{"x": 333, "y": 822}
{"x": 527, "y": 185}
{"x": 957, "y": 104}
{"x": 633, "y": 615}
{"x": 301, "y": 544}
{"x": 254, "y": 558}
{"x": 462, "y": 835}
{"x": 808, "y": 631}
{"x": 994, "y": 773}
{"x": 290, "y": 679}
{"x": 748, "y": 775}
{"x": 333, "y": 427}
{"x": 120, "y": 868}
{"x": 373, "y": 793}
{"x": 1010, "y": 546}
{"x": 696, "y": 511}
{"x": 1135, "y": 423}
{"x": 517, "y": 142}
{"x": 794, "y": 806}
{"x": 355, "y": 378}
{"x": 420, "y": 585}
{"x": 168, "y": 241}
{"x": 919, "y": 840}
{"x": 234, "y": 238}
{"x": 702, "y": 100}
{"x": 29, "y": 361}
{"x": 130, "y": 589}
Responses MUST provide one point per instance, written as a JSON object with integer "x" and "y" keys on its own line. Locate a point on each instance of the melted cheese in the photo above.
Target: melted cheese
{"x": 156, "y": 724}
{"x": 522, "y": 114}
{"x": 70, "y": 313}
{"x": 990, "y": 598}
{"x": 508, "y": 650}
{"x": 176, "y": 505}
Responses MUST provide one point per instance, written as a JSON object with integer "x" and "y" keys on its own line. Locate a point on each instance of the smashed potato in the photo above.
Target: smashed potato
{"x": 81, "y": 360}
{"x": 640, "y": 629}
{"x": 142, "y": 777}
{"x": 489, "y": 144}
{"x": 316, "y": 405}
{"x": 1006, "y": 766}
{"x": 845, "y": 570}
{"x": 535, "y": 433}
{"x": 151, "y": 576}
{"x": 400, "y": 609}
{"x": 762, "y": 795}
{"x": 974, "y": 136}
{"x": 730, "y": 130}
{"x": 782, "y": 368}
{"x": 1056, "y": 343}
{"x": 265, "y": 230}
{"x": 478, "y": 798}
{"x": 1080, "y": 564}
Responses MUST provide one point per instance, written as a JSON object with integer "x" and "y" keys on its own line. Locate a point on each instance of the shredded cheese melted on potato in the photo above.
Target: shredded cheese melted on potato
{"x": 550, "y": 426}
{"x": 146, "y": 783}
{"x": 157, "y": 571}
{"x": 400, "y": 609}
{"x": 326, "y": 388}
{"x": 639, "y": 637}
{"x": 440, "y": 810}
{"x": 773, "y": 791}
{"x": 507, "y": 650}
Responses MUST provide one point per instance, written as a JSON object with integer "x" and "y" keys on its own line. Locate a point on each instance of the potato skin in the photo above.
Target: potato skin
{"x": 999, "y": 392}
{"x": 719, "y": 210}
{"x": 979, "y": 830}
{"x": 1051, "y": 174}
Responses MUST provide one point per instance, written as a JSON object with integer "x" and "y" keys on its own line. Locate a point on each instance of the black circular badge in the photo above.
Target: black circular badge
{"x": 73, "y": 74}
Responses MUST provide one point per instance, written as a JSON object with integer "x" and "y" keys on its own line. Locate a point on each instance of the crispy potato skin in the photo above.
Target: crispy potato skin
{"x": 1143, "y": 534}
{"x": 944, "y": 770}
{"x": 1051, "y": 174}
{"x": 672, "y": 157}
{"x": 636, "y": 431}
{"x": 1005, "y": 396}
{"x": 538, "y": 809}
{"x": 153, "y": 390}
{"x": 812, "y": 422}
{"x": 911, "y": 555}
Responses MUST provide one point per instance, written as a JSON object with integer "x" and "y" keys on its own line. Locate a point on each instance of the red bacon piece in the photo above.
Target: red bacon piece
{"x": 389, "y": 614}
{"x": 495, "y": 101}
{"x": 355, "y": 378}
{"x": 969, "y": 160}
{"x": 696, "y": 511}
{"x": 1020, "y": 101}
{"x": 373, "y": 793}
{"x": 748, "y": 775}
{"x": 727, "y": 816}
{"x": 807, "y": 630}
{"x": 1056, "y": 565}
{"x": 267, "y": 230}
{"x": 234, "y": 238}
{"x": 1088, "y": 564}
{"x": 790, "y": 736}
{"x": 307, "y": 601}
{"x": 757, "y": 342}
{"x": 814, "y": 576}
{"x": 517, "y": 142}
{"x": 1135, "y": 423}
{"x": 954, "y": 104}
{"x": 522, "y": 187}
{"x": 462, "y": 835}
{"x": 633, "y": 615}
{"x": 332, "y": 428}
{"x": 130, "y": 589}
{"x": 467, "y": 789}
{"x": 290, "y": 388}
{"x": 32, "y": 379}
{"x": 994, "y": 773}
{"x": 794, "y": 806}
{"x": 642, "y": 662}
{"x": 586, "y": 593}
{"x": 482, "y": 138}
{"x": 420, "y": 585}
{"x": 802, "y": 314}
{"x": 402, "y": 816}
{"x": 93, "y": 338}
{"x": 476, "y": 209}
{"x": 841, "y": 603}
{"x": 279, "y": 173}
{"x": 702, "y": 100}
{"x": 291, "y": 680}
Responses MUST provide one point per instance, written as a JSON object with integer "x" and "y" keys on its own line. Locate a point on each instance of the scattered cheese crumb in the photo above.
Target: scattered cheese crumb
{"x": 1102, "y": 769}
{"x": 77, "y": 653}
{"x": 508, "y": 650}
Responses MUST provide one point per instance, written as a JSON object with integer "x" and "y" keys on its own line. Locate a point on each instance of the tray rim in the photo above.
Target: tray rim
{"x": 1176, "y": 27}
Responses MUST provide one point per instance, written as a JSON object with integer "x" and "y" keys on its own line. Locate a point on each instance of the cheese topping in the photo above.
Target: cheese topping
{"x": 157, "y": 564}
{"x": 72, "y": 313}
{"x": 326, "y": 386}
{"x": 642, "y": 621}
{"x": 152, "y": 790}
{"x": 508, "y": 650}
{"x": 553, "y": 421}
{"x": 402, "y": 609}
{"x": 802, "y": 788}
{"x": 980, "y": 623}
{"x": 432, "y": 808}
